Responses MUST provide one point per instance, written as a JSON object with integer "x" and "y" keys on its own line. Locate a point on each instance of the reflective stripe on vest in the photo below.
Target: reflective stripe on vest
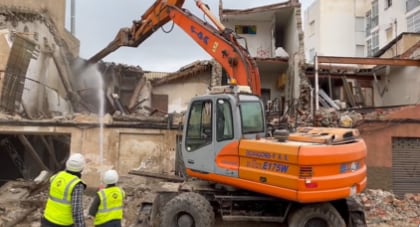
{"x": 110, "y": 206}
{"x": 58, "y": 208}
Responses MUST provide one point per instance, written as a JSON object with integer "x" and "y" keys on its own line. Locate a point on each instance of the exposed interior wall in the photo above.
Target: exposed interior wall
{"x": 46, "y": 87}
{"x": 56, "y": 10}
{"x": 259, "y": 44}
{"x": 270, "y": 82}
{"x": 291, "y": 33}
{"x": 181, "y": 91}
{"x": 400, "y": 87}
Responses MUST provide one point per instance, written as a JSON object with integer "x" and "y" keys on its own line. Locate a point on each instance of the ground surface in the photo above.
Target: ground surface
{"x": 22, "y": 209}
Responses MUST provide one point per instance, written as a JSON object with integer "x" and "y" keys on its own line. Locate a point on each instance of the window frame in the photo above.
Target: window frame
{"x": 228, "y": 121}
{"x": 262, "y": 126}
{"x": 388, "y": 4}
{"x": 201, "y": 138}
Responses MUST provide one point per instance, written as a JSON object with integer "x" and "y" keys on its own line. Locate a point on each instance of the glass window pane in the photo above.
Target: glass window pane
{"x": 224, "y": 120}
{"x": 252, "y": 117}
{"x": 199, "y": 126}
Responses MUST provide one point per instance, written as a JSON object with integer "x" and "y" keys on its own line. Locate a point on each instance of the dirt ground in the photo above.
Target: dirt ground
{"x": 382, "y": 208}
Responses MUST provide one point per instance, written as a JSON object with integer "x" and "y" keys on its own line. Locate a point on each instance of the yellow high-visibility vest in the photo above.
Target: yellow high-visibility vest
{"x": 111, "y": 205}
{"x": 58, "y": 208}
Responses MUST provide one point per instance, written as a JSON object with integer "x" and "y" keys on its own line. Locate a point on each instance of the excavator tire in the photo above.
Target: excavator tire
{"x": 316, "y": 215}
{"x": 187, "y": 209}
{"x": 356, "y": 213}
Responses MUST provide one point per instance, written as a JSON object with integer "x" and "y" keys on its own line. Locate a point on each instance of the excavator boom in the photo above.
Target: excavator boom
{"x": 219, "y": 42}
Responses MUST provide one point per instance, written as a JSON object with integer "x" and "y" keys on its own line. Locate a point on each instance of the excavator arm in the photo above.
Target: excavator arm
{"x": 219, "y": 42}
{"x": 154, "y": 18}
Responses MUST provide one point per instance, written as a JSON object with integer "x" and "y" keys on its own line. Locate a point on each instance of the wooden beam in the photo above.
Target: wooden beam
{"x": 32, "y": 152}
{"x": 339, "y": 76}
{"x": 50, "y": 148}
{"x": 369, "y": 61}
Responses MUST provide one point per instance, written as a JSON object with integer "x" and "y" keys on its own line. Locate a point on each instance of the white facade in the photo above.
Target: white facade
{"x": 386, "y": 19}
{"x": 272, "y": 32}
{"x": 335, "y": 28}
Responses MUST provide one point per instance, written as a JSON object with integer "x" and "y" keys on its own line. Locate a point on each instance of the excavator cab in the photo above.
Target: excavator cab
{"x": 215, "y": 123}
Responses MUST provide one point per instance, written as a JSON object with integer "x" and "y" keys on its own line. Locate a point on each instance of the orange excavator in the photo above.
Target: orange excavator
{"x": 233, "y": 170}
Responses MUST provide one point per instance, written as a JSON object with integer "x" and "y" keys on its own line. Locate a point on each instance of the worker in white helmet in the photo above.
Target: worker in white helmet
{"x": 107, "y": 206}
{"x": 65, "y": 198}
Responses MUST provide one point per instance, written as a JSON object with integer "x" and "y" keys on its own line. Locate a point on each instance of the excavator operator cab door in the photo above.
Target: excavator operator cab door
{"x": 209, "y": 128}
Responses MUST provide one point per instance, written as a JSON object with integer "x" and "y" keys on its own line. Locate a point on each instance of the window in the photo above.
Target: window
{"x": 375, "y": 14}
{"x": 411, "y": 4}
{"x": 413, "y": 22}
{"x": 199, "y": 125}
{"x": 368, "y": 23}
{"x": 359, "y": 26}
{"x": 369, "y": 48}
{"x": 360, "y": 50}
{"x": 388, "y": 33}
{"x": 252, "y": 116}
{"x": 375, "y": 42}
{"x": 246, "y": 29}
{"x": 224, "y": 120}
{"x": 388, "y": 3}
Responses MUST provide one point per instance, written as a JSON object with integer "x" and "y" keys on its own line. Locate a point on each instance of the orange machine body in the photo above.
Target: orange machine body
{"x": 298, "y": 171}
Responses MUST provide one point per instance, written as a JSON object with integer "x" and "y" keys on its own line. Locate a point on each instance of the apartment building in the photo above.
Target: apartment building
{"x": 357, "y": 28}
{"x": 387, "y": 19}
{"x": 335, "y": 28}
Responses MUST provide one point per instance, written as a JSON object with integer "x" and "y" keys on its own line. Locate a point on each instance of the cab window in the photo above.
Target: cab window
{"x": 252, "y": 117}
{"x": 199, "y": 125}
{"x": 224, "y": 120}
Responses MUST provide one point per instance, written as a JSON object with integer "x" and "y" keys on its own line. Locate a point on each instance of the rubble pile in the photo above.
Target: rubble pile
{"x": 383, "y": 209}
{"x": 21, "y": 204}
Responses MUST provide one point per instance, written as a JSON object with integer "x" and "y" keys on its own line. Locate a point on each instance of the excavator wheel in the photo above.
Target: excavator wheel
{"x": 187, "y": 209}
{"x": 356, "y": 213}
{"x": 316, "y": 215}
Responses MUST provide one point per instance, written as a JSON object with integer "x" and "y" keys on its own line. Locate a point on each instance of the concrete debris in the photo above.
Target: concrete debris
{"x": 21, "y": 203}
{"x": 330, "y": 117}
{"x": 382, "y": 208}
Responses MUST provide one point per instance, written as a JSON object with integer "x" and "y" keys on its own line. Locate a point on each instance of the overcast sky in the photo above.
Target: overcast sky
{"x": 98, "y": 21}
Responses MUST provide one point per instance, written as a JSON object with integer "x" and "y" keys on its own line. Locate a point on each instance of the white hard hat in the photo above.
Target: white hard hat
{"x": 110, "y": 177}
{"x": 75, "y": 163}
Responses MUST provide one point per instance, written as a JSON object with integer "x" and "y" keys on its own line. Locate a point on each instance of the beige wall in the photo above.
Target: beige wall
{"x": 4, "y": 48}
{"x": 402, "y": 45}
{"x": 56, "y": 9}
{"x": 181, "y": 91}
{"x": 124, "y": 148}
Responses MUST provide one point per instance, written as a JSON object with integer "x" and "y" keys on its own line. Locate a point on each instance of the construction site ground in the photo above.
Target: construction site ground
{"x": 22, "y": 202}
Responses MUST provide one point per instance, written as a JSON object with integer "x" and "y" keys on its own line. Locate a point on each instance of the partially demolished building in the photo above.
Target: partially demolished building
{"x": 124, "y": 118}
{"x": 52, "y": 104}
